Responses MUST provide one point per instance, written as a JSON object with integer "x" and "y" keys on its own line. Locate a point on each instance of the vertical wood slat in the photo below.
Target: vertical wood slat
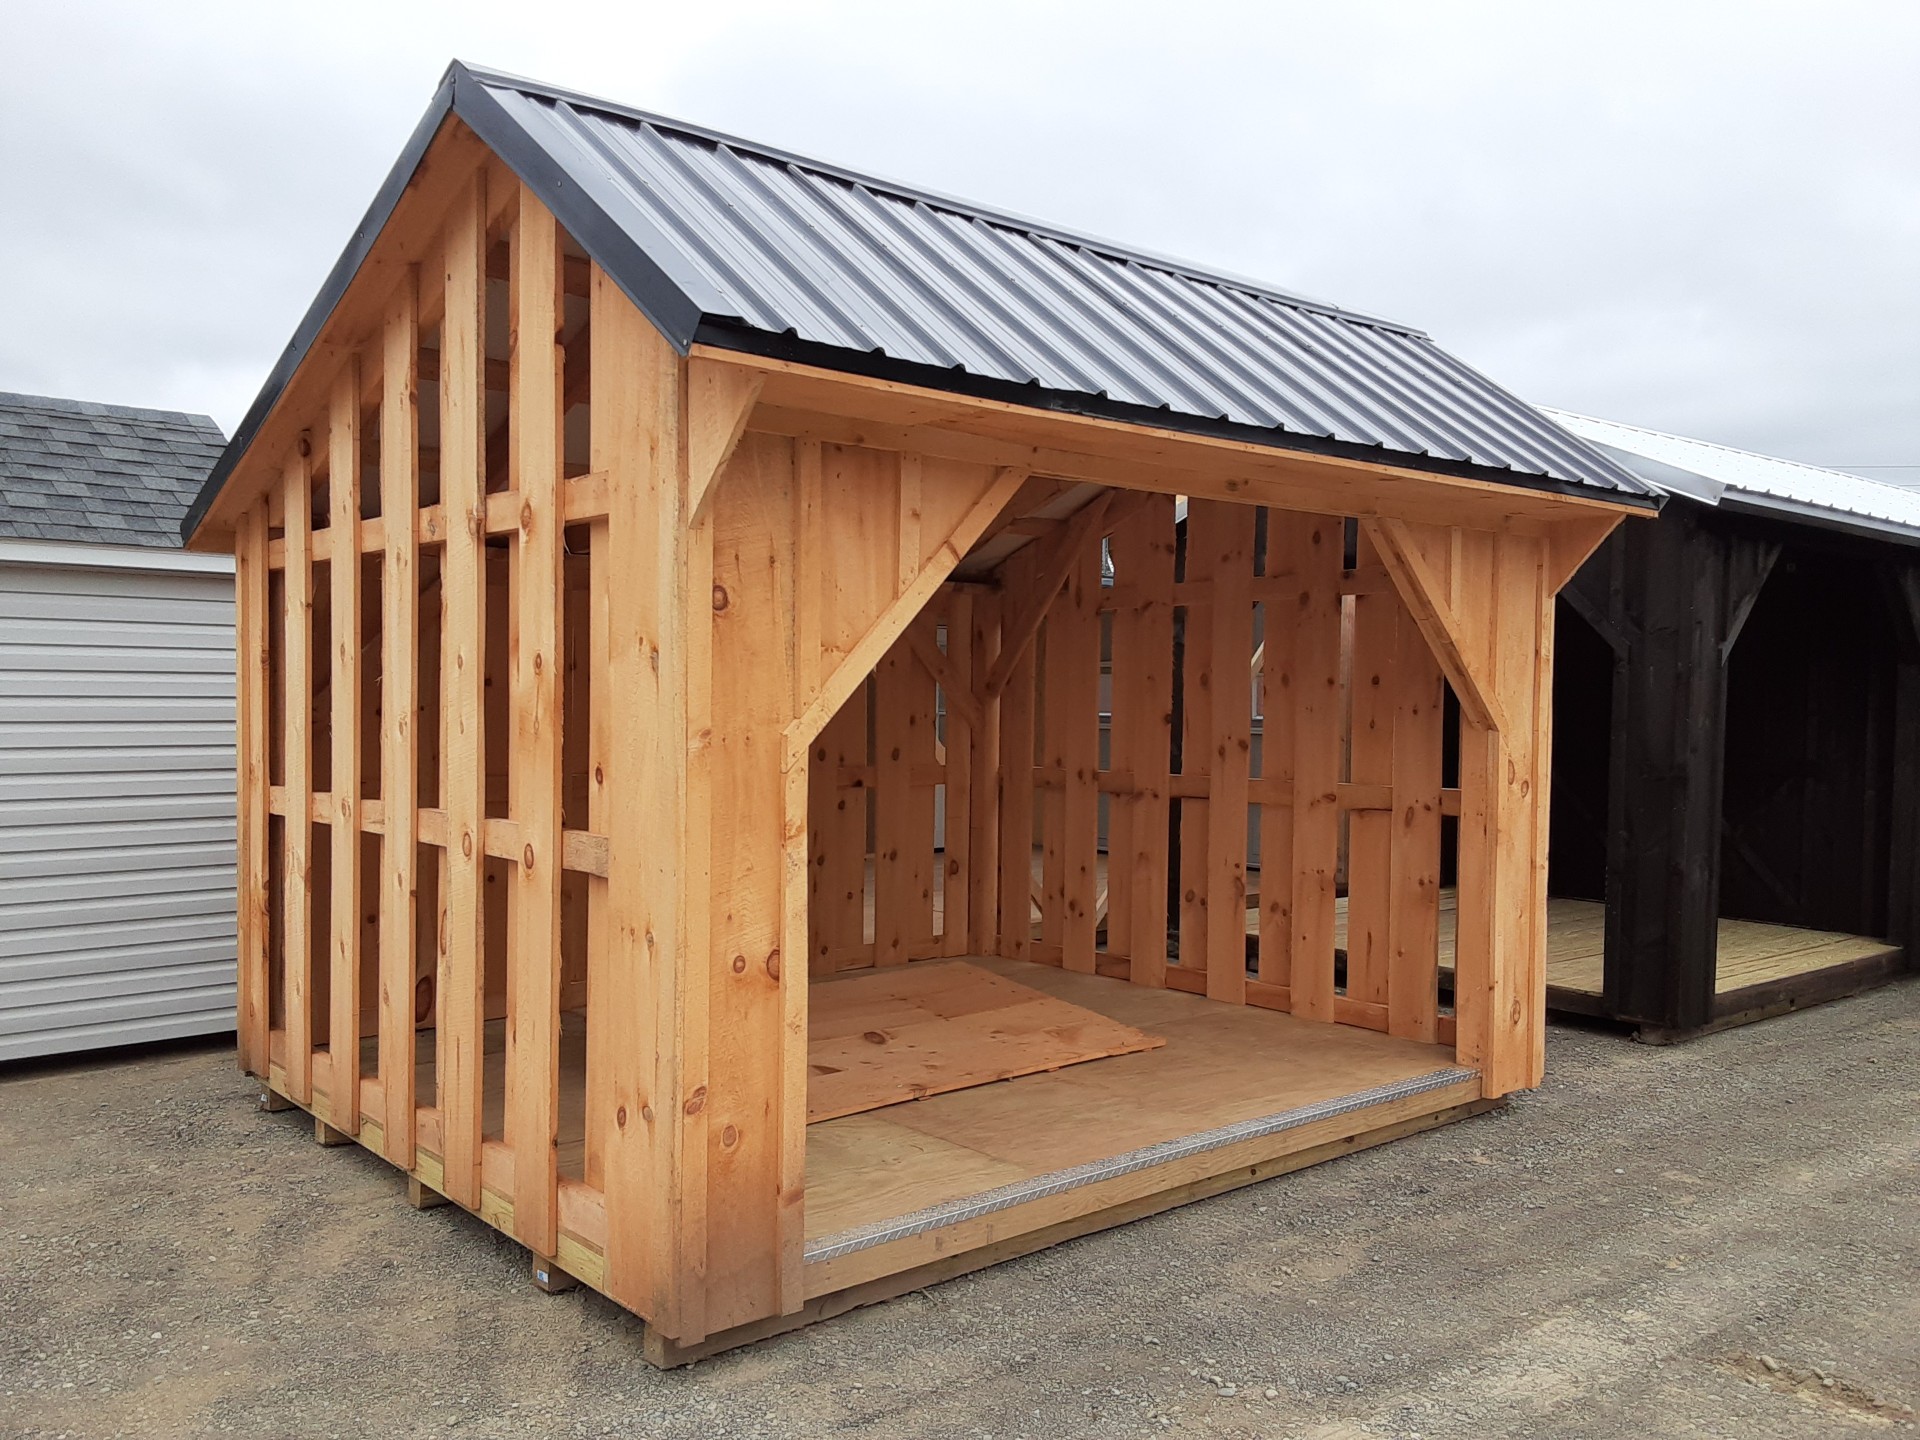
{"x": 1220, "y": 537}
{"x": 838, "y": 913}
{"x": 533, "y": 969}
{"x": 957, "y": 862}
{"x": 1278, "y": 665}
{"x": 1310, "y": 547}
{"x": 399, "y": 703}
{"x": 1077, "y": 703}
{"x": 903, "y": 809}
{"x": 601, "y": 975}
{"x": 1196, "y": 730}
{"x": 296, "y": 710}
{"x": 252, "y": 714}
{"x": 343, "y": 524}
{"x": 983, "y": 896}
{"x": 1143, "y": 730}
{"x": 1413, "y": 863}
{"x": 655, "y": 1159}
{"x": 1054, "y": 682}
{"x": 460, "y": 1028}
{"x": 1470, "y": 582}
{"x": 1017, "y": 706}
{"x": 1372, "y": 905}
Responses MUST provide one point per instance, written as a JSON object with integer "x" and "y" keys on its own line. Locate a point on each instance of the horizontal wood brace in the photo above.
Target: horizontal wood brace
{"x": 1260, "y": 791}
{"x": 1363, "y": 580}
{"x": 581, "y": 850}
{"x": 862, "y": 777}
{"x": 582, "y": 498}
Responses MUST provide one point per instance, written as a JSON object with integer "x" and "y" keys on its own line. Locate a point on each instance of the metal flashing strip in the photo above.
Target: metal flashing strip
{"x": 1019, "y": 1192}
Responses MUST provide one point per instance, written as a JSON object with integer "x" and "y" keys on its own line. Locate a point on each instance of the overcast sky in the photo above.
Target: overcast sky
{"x": 1697, "y": 217}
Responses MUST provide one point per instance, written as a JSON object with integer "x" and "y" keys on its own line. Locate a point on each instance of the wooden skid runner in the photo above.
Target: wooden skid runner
{"x": 888, "y": 1036}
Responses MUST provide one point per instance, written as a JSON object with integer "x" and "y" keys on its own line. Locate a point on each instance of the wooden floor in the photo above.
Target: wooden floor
{"x": 1751, "y": 953}
{"x": 1221, "y": 1064}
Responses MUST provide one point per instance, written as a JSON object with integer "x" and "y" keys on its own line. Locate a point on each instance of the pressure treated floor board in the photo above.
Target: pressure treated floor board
{"x": 882, "y": 1037}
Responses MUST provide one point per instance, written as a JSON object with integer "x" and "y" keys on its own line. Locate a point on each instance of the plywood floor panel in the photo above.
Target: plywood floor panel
{"x": 883, "y": 1037}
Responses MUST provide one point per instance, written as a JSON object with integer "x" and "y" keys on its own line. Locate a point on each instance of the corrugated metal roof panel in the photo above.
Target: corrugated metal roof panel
{"x": 1762, "y": 479}
{"x": 768, "y": 242}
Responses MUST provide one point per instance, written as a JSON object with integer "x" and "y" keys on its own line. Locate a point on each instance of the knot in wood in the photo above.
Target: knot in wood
{"x": 646, "y": 1113}
{"x": 620, "y": 1117}
{"x": 526, "y": 518}
{"x": 305, "y": 447}
{"x": 739, "y": 964}
{"x": 720, "y": 598}
{"x": 526, "y": 857}
{"x": 466, "y": 844}
{"x": 729, "y": 1137}
{"x": 773, "y": 964}
{"x": 875, "y": 1037}
{"x": 539, "y": 662}
{"x": 696, "y": 1102}
{"x": 599, "y": 775}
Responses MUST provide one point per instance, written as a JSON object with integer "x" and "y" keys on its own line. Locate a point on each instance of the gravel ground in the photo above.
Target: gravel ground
{"x": 1721, "y": 1239}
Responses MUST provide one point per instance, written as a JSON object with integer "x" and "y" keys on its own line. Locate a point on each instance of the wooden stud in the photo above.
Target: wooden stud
{"x": 1073, "y": 719}
{"x": 1414, "y": 842}
{"x": 1311, "y": 548}
{"x": 983, "y": 806}
{"x": 1017, "y": 715}
{"x": 903, "y": 716}
{"x": 343, "y": 491}
{"x": 963, "y": 722}
{"x": 1372, "y": 905}
{"x": 252, "y": 674}
{"x": 601, "y": 976}
{"x": 296, "y": 706}
{"x": 399, "y": 705}
{"x": 461, "y": 1020}
{"x": 1142, "y": 734}
{"x": 838, "y": 888}
{"x": 1220, "y": 538}
{"x": 533, "y": 970}
{"x": 652, "y": 1131}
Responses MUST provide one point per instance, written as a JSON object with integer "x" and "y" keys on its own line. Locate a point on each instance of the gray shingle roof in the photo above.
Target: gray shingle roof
{"x": 102, "y": 474}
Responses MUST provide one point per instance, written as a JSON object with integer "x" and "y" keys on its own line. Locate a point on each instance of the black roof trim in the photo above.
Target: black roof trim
{"x": 731, "y": 335}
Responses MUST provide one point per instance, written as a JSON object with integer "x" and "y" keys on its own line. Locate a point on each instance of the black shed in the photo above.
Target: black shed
{"x": 1736, "y": 771}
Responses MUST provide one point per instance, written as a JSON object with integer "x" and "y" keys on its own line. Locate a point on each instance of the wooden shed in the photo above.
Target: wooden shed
{"x": 116, "y": 732}
{"x": 1736, "y": 813}
{"x": 674, "y": 579}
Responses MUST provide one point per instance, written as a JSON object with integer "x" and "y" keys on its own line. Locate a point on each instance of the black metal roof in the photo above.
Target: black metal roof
{"x": 728, "y": 243}
{"x": 103, "y": 474}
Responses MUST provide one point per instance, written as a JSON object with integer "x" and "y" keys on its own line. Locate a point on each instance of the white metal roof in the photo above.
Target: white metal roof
{"x": 1713, "y": 473}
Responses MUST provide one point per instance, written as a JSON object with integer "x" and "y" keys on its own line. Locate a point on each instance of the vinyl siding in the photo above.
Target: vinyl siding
{"x": 116, "y": 806}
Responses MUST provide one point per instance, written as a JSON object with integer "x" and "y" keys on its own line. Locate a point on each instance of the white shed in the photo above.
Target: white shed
{"x": 116, "y": 733}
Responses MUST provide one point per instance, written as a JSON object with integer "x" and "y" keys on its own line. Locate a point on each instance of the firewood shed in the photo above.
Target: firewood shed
{"x": 1736, "y": 813}
{"x": 674, "y": 577}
